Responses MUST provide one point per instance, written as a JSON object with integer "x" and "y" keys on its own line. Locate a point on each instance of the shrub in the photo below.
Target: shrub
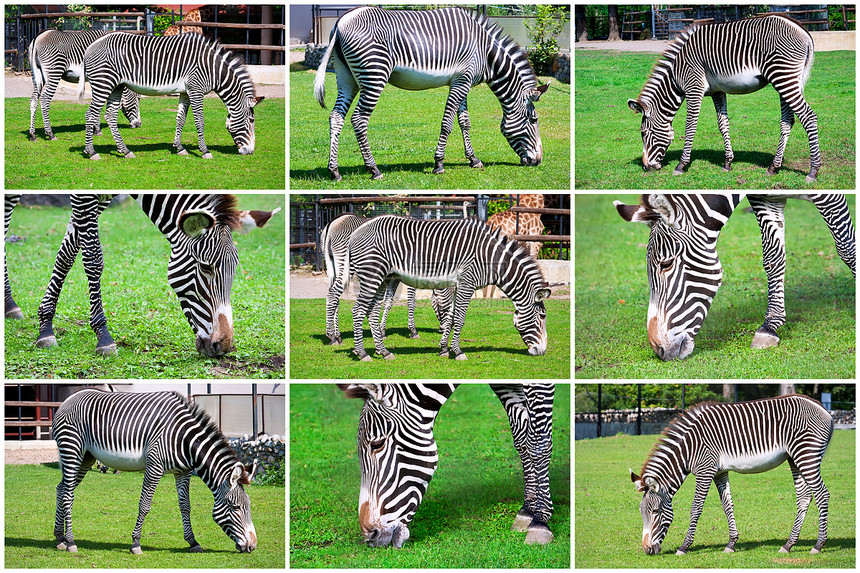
{"x": 547, "y": 24}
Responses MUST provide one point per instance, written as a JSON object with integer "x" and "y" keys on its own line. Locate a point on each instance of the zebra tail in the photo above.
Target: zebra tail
{"x": 319, "y": 82}
{"x": 807, "y": 68}
{"x": 36, "y": 64}
{"x": 329, "y": 260}
{"x": 82, "y": 84}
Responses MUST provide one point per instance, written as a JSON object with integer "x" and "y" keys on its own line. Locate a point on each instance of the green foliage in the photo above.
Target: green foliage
{"x": 544, "y": 29}
{"x": 273, "y": 476}
{"x": 836, "y": 19}
{"x": 625, "y": 396}
{"x": 817, "y": 342}
{"x": 609, "y": 144}
{"x": 104, "y": 515}
{"x": 153, "y": 337}
{"x": 465, "y": 518}
{"x": 404, "y": 131}
{"x": 34, "y": 164}
{"x": 609, "y": 525}
{"x": 489, "y": 339}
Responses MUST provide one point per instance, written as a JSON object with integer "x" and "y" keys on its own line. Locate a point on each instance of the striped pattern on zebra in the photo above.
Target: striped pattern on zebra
{"x": 424, "y": 49}
{"x": 710, "y": 440}
{"x": 201, "y": 268}
{"x": 684, "y": 271}
{"x": 59, "y": 55}
{"x": 186, "y": 64}
{"x": 728, "y": 58}
{"x": 157, "y": 433}
{"x": 398, "y": 456}
{"x": 13, "y": 311}
{"x": 335, "y": 241}
{"x": 435, "y": 254}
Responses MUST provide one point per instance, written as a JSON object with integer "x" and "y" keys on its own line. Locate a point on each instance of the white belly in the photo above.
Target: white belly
{"x": 753, "y": 464}
{"x": 126, "y": 460}
{"x": 422, "y": 282}
{"x": 744, "y": 82}
{"x": 165, "y": 89}
{"x": 411, "y": 79}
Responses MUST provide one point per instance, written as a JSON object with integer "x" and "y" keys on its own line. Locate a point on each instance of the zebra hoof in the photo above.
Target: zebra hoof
{"x": 679, "y": 552}
{"x": 460, "y": 357}
{"x": 207, "y": 155}
{"x": 195, "y": 549}
{"x": 772, "y": 170}
{"x": 389, "y": 356}
{"x": 52, "y": 138}
{"x": 810, "y": 179}
{"x": 14, "y": 313}
{"x": 727, "y": 168}
{"x": 444, "y": 354}
{"x": 106, "y": 350}
{"x": 129, "y": 155}
{"x": 678, "y": 172}
{"x": 95, "y": 157}
{"x": 376, "y": 176}
{"x": 764, "y": 338}
{"x": 728, "y": 550}
{"x": 814, "y": 551}
{"x": 136, "y": 550}
{"x": 414, "y": 335}
{"x": 32, "y": 137}
{"x": 521, "y": 523}
{"x": 47, "y": 342}
{"x": 72, "y": 548}
{"x": 438, "y": 170}
{"x": 366, "y": 358}
{"x": 61, "y": 546}
{"x": 783, "y": 550}
{"x": 539, "y": 536}
{"x": 182, "y": 152}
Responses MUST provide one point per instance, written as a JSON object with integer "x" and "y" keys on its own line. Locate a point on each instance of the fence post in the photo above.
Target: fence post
{"x": 683, "y": 397}
{"x": 254, "y": 413}
{"x": 599, "y": 410}
{"x": 639, "y": 409}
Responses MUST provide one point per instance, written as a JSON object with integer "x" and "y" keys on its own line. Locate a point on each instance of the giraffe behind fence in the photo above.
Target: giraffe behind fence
{"x": 529, "y": 224}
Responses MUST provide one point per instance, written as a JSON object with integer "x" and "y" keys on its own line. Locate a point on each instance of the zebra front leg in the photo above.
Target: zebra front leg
{"x": 834, "y": 211}
{"x": 539, "y": 398}
{"x": 373, "y": 319}
{"x": 112, "y": 116}
{"x": 13, "y": 311}
{"x": 461, "y": 304}
{"x": 151, "y": 477}
{"x": 694, "y": 106}
{"x": 410, "y": 307}
{"x": 722, "y": 110}
{"x": 804, "y": 497}
{"x": 456, "y": 99}
{"x": 181, "y": 115}
{"x": 771, "y": 220}
{"x": 786, "y": 122}
{"x": 66, "y": 256}
{"x": 722, "y": 483}
{"x": 360, "y": 119}
{"x": 703, "y": 482}
{"x": 196, "y": 99}
{"x": 182, "y": 483}
{"x": 465, "y": 127}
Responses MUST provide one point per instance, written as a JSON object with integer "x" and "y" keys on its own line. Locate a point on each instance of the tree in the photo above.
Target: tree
{"x": 544, "y": 29}
{"x": 614, "y": 34}
{"x": 581, "y": 25}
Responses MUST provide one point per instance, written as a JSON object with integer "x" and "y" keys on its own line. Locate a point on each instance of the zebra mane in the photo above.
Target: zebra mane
{"x": 676, "y": 430}
{"x": 224, "y": 209}
{"x": 232, "y": 61}
{"x": 199, "y": 414}
{"x": 518, "y": 250}
{"x": 510, "y": 47}
{"x": 666, "y": 63}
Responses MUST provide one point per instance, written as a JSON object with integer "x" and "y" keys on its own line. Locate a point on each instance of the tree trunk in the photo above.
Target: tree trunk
{"x": 581, "y": 26}
{"x": 614, "y": 34}
{"x": 729, "y": 392}
{"x": 786, "y": 389}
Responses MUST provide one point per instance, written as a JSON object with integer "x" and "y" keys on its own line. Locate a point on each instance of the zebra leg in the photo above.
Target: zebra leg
{"x": 182, "y": 483}
{"x": 360, "y": 118}
{"x": 66, "y": 256}
{"x": 74, "y": 466}
{"x": 387, "y": 303}
{"x": 722, "y": 483}
{"x": 703, "y": 482}
{"x": 791, "y": 101}
{"x": 86, "y": 211}
{"x": 461, "y": 304}
{"x": 13, "y": 311}
{"x": 181, "y": 115}
{"x": 465, "y": 127}
{"x": 804, "y": 497}
{"x": 786, "y": 122}
{"x": 151, "y": 477}
{"x": 456, "y": 100}
{"x": 834, "y": 211}
{"x": 34, "y": 105}
{"x": 694, "y": 105}
{"x": 410, "y": 306}
{"x": 722, "y": 108}
{"x": 332, "y": 305}
{"x": 373, "y": 318}
{"x": 93, "y": 123}
{"x": 196, "y": 99}
{"x": 131, "y": 108}
{"x": 111, "y": 117}
{"x": 359, "y": 310}
{"x": 771, "y": 220}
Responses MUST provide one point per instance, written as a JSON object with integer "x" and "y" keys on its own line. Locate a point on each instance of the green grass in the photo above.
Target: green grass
{"x": 491, "y": 343}
{"x": 609, "y": 525}
{"x": 104, "y": 515}
{"x": 61, "y": 164}
{"x": 817, "y": 341}
{"x": 153, "y": 337}
{"x": 609, "y": 145}
{"x": 403, "y": 133}
{"x": 465, "y": 518}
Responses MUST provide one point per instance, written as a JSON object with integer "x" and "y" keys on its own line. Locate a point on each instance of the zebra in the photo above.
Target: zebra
{"x": 464, "y": 254}
{"x": 157, "y": 433}
{"x": 684, "y": 271}
{"x": 334, "y": 241}
{"x": 728, "y": 58}
{"x": 424, "y": 49}
{"x": 13, "y": 311}
{"x": 59, "y": 55}
{"x": 710, "y": 440}
{"x": 398, "y": 456}
{"x": 186, "y": 64}
{"x": 201, "y": 268}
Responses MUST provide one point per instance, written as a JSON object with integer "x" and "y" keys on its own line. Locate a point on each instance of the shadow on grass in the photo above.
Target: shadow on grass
{"x": 800, "y": 550}
{"x": 85, "y": 545}
{"x": 717, "y": 158}
{"x": 360, "y": 171}
{"x": 136, "y": 147}
{"x": 64, "y": 129}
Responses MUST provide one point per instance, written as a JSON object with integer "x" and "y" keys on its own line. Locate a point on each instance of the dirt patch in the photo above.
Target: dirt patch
{"x": 229, "y": 367}
{"x": 31, "y": 456}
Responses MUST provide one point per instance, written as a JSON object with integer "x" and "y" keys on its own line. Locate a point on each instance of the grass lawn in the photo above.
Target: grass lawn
{"x": 61, "y": 164}
{"x": 104, "y": 515}
{"x": 609, "y": 525}
{"x": 153, "y": 337}
{"x": 466, "y": 516}
{"x": 491, "y": 343}
{"x": 404, "y": 130}
{"x": 817, "y": 341}
{"x": 609, "y": 145}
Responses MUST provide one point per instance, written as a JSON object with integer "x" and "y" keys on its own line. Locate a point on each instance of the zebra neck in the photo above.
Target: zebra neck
{"x": 516, "y": 268}
{"x": 509, "y": 73}
{"x": 212, "y": 459}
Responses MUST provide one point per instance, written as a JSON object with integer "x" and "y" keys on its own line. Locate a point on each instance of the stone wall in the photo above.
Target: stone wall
{"x": 270, "y": 451}
{"x": 561, "y": 68}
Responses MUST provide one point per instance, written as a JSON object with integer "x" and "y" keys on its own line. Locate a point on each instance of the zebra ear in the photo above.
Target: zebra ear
{"x": 636, "y": 106}
{"x": 195, "y": 223}
{"x": 637, "y": 481}
{"x": 375, "y": 392}
{"x": 636, "y": 213}
{"x": 256, "y": 100}
{"x": 238, "y": 475}
{"x": 535, "y": 94}
{"x": 542, "y": 294}
{"x": 254, "y": 219}
{"x": 652, "y": 484}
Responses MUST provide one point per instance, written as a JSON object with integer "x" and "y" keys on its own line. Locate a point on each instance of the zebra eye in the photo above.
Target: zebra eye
{"x": 665, "y": 265}
{"x": 377, "y": 445}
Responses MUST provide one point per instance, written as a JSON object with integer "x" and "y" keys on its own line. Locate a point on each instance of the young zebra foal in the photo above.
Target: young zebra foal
{"x": 710, "y": 440}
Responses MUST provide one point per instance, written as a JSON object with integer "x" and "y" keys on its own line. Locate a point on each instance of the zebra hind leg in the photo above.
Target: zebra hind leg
{"x": 722, "y": 110}
{"x": 182, "y": 483}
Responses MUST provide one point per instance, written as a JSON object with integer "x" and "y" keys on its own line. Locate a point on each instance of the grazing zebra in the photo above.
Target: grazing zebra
{"x": 710, "y": 440}
{"x": 423, "y": 49}
{"x": 154, "y": 65}
{"x": 435, "y": 254}
{"x": 335, "y": 240}
{"x": 157, "y": 433}
{"x": 684, "y": 271}
{"x": 58, "y": 55}
{"x": 397, "y": 453}
{"x": 202, "y": 262}
{"x": 728, "y": 58}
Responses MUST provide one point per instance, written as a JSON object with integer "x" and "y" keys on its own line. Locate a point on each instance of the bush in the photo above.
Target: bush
{"x": 547, "y": 24}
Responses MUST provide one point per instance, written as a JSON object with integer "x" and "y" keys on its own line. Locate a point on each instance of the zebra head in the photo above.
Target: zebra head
{"x": 656, "y": 509}
{"x": 232, "y": 509}
{"x": 398, "y": 456}
{"x": 657, "y": 134}
{"x": 530, "y": 322}
{"x": 520, "y": 127}
{"x": 202, "y": 265}
{"x": 684, "y": 271}
{"x": 240, "y": 124}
